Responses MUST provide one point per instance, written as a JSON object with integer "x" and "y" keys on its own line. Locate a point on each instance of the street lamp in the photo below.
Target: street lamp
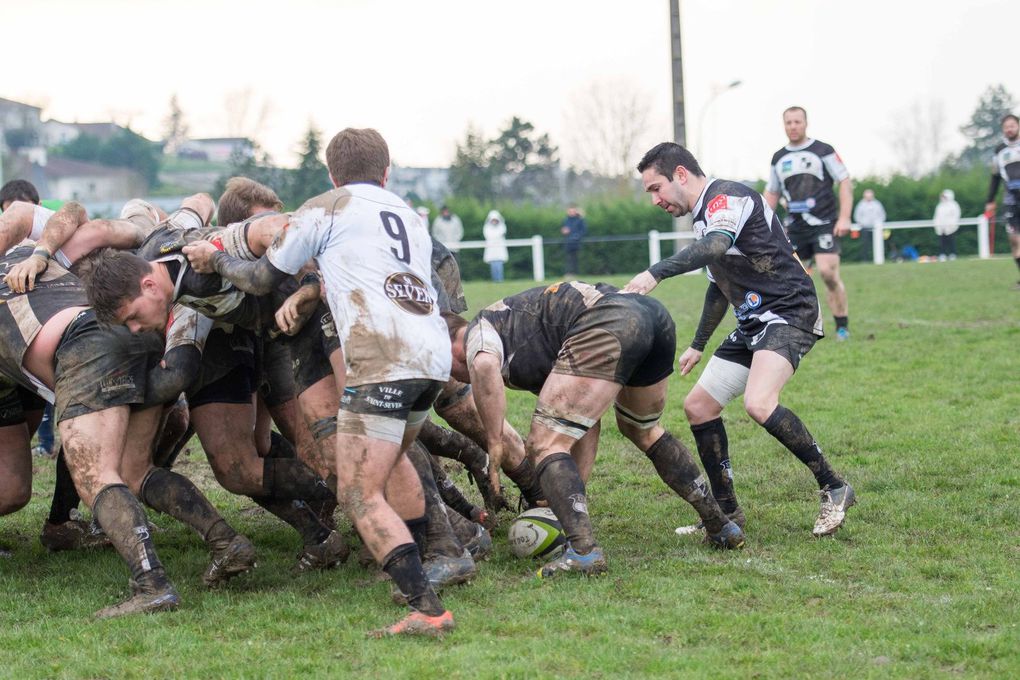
{"x": 716, "y": 91}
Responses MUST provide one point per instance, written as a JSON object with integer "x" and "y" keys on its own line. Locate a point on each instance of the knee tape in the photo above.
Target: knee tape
{"x": 724, "y": 380}
{"x": 570, "y": 424}
{"x": 640, "y": 421}
{"x": 366, "y": 425}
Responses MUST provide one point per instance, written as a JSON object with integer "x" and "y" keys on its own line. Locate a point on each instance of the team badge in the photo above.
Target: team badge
{"x": 752, "y": 299}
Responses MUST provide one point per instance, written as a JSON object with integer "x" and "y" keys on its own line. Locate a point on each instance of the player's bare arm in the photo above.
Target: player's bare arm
{"x": 299, "y": 306}
{"x": 16, "y": 224}
{"x": 58, "y": 230}
{"x": 846, "y": 200}
{"x": 712, "y": 315}
{"x": 700, "y": 253}
{"x": 490, "y": 399}
{"x": 771, "y": 198}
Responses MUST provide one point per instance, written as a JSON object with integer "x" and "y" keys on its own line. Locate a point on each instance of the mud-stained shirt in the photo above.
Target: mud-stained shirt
{"x": 527, "y": 330}
{"x": 1006, "y": 169}
{"x": 209, "y": 294}
{"x": 446, "y": 279}
{"x": 759, "y": 274}
{"x": 804, "y": 175}
{"x": 375, "y": 256}
{"x": 22, "y": 315}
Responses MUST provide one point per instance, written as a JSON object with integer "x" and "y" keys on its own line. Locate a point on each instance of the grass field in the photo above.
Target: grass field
{"x": 920, "y": 411}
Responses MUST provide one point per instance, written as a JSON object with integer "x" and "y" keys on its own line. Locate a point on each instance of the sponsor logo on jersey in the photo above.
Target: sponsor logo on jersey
{"x": 787, "y": 166}
{"x": 752, "y": 299}
{"x": 409, "y": 293}
{"x": 718, "y": 203}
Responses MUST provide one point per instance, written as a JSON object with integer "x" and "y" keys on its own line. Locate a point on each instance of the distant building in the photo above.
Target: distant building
{"x": 216, "y": 149}
{"x": 68, "y": 180}
{"x": 428, "y": 184}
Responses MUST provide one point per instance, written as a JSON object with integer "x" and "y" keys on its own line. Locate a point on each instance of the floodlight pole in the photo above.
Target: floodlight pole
{"x": 679, "y": 118}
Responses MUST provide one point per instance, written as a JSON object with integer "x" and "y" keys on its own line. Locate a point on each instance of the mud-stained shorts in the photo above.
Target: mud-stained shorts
{"x": 15, "y": 401}
{"x": 626, "y": 339}
{"x": 310, "y": 349}
{"x": 276, "y": 379}
{"x": 396, "y": 399}
{"x": 100, "y": 367}
{"x": 792, "y": 343}
{"x": 228, "y": 369}
{"x": 814, "y": 241}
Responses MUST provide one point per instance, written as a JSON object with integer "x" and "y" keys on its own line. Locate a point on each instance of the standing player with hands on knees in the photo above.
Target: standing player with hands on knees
{"x": 752, "y": 266}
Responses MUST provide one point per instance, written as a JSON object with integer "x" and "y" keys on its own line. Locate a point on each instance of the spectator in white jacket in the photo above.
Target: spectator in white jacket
{"x": 496, "y": 254}
{"x": 869, "y": 214}
{"x": 947, "y": 222}
{"x": 448, "y": 229}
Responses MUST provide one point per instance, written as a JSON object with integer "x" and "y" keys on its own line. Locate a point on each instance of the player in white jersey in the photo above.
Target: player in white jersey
{"x": 375, "y": 257}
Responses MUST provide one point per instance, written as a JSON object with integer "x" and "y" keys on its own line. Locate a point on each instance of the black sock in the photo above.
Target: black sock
{"x": 298, "y": 515}
{"x": 842, "y": 322}
{"x": 419, "y": 527}
{"x": 439, "y": 536}
{"x": 451, "y": 495}
{"x": 123, "y": 521}
{"x": 524, "y": 477}
{"x": 292, "y": 479}
{"x": 453, "y": 445}
{"x": 65, "y": 496}
{"x": 280, "y": 446}
{"x": 713, "y": 449}
{"x": 1017, "y": 260}
{"x": 175, "y": 495}
{"x": 677, "y": 468}
{"x": 403, "y": 564}
{"x": 785, "y": 426}
{"x": 561, "y": 483}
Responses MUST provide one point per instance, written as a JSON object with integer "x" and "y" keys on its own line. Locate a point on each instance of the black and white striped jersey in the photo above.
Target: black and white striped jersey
{"x": 1006, "y": 168}
{"x": 804, "y": 175}
{"x": 760, "y": 275}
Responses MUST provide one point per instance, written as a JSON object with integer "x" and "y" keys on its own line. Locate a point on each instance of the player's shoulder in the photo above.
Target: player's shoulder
{"x": 729, "y": 187}
{"x": 999, "y": 147}
{"x": 779, "y": 154}
{"x": 331, "y": 201}
{"x": 821, "y": 148}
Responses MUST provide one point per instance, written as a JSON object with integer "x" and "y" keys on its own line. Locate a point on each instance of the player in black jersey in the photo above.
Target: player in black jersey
{"x": 751, "y": 266}
{"x": 1006, "y": 170}
{"x": 582, "y": 349}
{"x": 804, "y": 171}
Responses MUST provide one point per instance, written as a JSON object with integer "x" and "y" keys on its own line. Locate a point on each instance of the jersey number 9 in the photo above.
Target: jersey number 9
{"x": 394, "y": 226}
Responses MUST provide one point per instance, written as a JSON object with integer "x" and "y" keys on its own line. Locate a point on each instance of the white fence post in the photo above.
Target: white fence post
{"x": 654, "y": 247}
{"x": 537, "y": 258}
{"x": 982, "y": 228}
{"x": 878, "y": 243}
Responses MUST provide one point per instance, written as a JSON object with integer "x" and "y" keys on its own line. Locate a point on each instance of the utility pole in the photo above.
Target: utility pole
{"x": 679, "y": 120}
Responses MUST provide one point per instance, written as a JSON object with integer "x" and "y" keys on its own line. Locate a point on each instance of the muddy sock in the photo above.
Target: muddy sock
{"x": 403, "y": 564}
{"x": 280, "y": 446}
{"x": 677, "y": 468}
{"x": 561, "y": 483}
{"x": 439, "y": 538}
{"x": 297, "y": 514}
{"x": 524, "y": 477}
{"x": 65, "y": 496}
{"x": 713, "y": 449}
{"x": 419, "y": 532}
{"x": 166, "y": 453}
{"x": 291, "y": 479}
{"x": 785, "y": 426}
{"x": 449, "y": 444}
{"x": 123, "y": 520}
{"x": 451, "y": 495}
{"x": 175, "y": 495}
{"x": 842, "y": 322}
{"x": 464, "y": 529}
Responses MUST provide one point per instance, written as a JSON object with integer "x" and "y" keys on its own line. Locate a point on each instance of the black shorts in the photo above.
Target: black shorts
{"x": 792, "y": 343}
{"x": 397, "y": 399}
{"x": 1012, "y": 215}
{"x": 626, "y": 339}
{"x": 15, "y": 401}
{"x": 276, "y": 379}
{"x": 99, "y": 367}
{"x": 228, "y": 369}
{"x": 310, "y": 349}
{"x": 810, "y": 241}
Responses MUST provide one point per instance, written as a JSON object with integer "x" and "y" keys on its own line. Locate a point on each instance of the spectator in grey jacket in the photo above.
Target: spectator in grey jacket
{"x": 947, "y": 222}
{"x": 448, "y": 229}
{"x": 869, "y": 214}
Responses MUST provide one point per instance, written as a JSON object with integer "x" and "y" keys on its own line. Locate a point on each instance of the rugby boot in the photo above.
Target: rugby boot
{"x": 442, "y": 571}
{"x": 145, "y": 599}
{"x": 835, "y": 503}
{"x": 730, "y": 537}
{"x": 480, "y": 545}
{"x": 417, "y": 623}
{"x": 592, "y": 564}
{"x": 325, "y": 555}
{"x": 236, "y": 557}
{"x": 737, "y": 517}
{"x": 74, "y": 534}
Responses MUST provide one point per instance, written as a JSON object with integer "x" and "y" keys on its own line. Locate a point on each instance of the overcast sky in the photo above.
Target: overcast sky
{"x": 420, "y": 72}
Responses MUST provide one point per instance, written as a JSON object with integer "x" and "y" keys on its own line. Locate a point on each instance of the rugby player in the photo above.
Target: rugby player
{"x": 804, "y": 171}
{"x": 1006, "y": 169}
{"x": 751, "y": 266}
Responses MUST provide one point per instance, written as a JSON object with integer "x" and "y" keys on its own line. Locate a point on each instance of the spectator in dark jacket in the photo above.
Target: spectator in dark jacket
{"x": 573, "y": 230}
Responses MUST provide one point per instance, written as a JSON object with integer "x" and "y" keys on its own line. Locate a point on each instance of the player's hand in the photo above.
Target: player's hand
{"x": 641, "y": 284}
{"x": 495, "y": 465}
{"x": 21, "y": 277}
{"x": 200, "y": 254}
{"x": 842, "y": 227}
{"x": 296, "y": 310}
{"x": 990, "y": 209}
{"x": 688, "y": 360}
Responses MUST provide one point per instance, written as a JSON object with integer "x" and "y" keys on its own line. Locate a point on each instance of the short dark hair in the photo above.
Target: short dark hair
{"x": 241, "y": 196}
{"x": 19, "y": 190}
{"x": 355, "y": 155}
{"x": 113, "y": 278}
{"x": 666, "y": 157}
{"x": 795, "y": 108}
{"x": 1009, "y": 116}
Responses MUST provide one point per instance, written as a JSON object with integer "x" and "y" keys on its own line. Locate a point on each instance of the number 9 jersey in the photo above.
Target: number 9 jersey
{"x": 375, "y": 255}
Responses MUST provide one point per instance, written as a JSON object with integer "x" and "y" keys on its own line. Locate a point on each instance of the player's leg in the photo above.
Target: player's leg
{"x": 1014, "y": 240}
{"x": 827, "y": 258}
{"x": 15, "y": 467}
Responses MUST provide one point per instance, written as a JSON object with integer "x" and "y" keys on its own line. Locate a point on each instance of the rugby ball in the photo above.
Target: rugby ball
{"x": 536, "y": 533}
